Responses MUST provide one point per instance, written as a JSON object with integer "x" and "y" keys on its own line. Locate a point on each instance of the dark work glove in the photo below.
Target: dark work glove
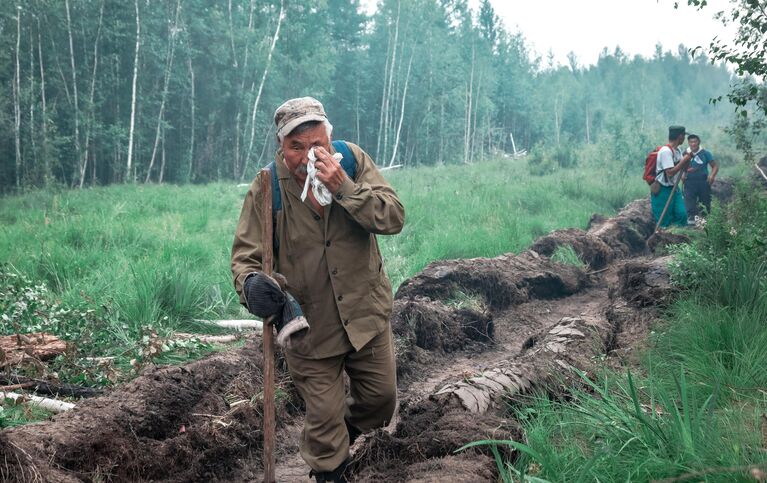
{"x": 290, "y": 321}
{"x": 263, "y": 295}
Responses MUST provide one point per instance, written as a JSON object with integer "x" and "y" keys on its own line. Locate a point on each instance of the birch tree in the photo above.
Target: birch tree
{"x": 131, "y": 132}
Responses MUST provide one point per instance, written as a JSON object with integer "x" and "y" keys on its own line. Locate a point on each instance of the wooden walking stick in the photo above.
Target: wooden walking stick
{"x": 268, "y": 334}
{"x": 665, "y": 209}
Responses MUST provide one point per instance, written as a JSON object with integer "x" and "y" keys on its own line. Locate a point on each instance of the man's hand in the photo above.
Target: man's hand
{"x": 711, "y": 180}
{"x": 329, "y": 171}
{"x": 263, "y": 295}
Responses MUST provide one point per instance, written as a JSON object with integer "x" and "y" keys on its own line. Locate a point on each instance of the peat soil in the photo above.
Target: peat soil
{"x": 472, "y": 336}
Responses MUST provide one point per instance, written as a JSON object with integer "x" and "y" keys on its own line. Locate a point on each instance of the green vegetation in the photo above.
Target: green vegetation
{"x": 97, "y": 92}
{"x": 118, "y": 270}
{"x": 567, "y": 255}
{"x": 697, "y": 405}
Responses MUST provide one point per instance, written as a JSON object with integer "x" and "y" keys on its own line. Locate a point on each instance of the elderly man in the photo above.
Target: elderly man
{"x": 326, "y": 249}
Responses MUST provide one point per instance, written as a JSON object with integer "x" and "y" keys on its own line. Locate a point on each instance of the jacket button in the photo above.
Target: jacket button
{"x": 340, "y": 298}
{"x": 339, "y": 195}
{"x": 317, "y": 217}
{"x": 327, "y": 243}
{"x": 346, "y": 322}
{"x": 335, "y": 271}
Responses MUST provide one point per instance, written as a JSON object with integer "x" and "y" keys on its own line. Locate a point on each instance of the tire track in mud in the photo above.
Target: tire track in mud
{"x": 530, "y": 321}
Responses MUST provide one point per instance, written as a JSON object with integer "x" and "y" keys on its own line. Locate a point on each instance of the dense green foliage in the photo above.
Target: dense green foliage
{"x": 419, "y": 82}
{"x": 748, "y": 53}
{"x": 697, "y": 406}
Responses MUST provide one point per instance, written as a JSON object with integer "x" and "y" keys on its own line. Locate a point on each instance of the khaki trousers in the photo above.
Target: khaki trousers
{"x": 373, "y": 396}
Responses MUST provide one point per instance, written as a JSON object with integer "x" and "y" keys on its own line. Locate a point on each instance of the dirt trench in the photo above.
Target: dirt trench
{"x": 470, "y": 335}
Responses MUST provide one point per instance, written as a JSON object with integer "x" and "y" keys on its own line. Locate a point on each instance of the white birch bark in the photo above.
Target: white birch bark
{"x": 129, "y": 162}
{"x": 74, "y": 91}
{"x": 173, "y": 31}
{"x": 261, "y": 88}
{"x": 17, "y": 99}
{"x": 469, "y": 95}
{"x": 192, "y": 108}
{"x": 401, "y": 112}
{"x": 47, "y": 175}
{"x": 92, "y": 119}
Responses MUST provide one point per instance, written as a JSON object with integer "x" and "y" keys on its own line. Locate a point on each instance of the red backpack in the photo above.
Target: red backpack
{"x": 650, "y": 165}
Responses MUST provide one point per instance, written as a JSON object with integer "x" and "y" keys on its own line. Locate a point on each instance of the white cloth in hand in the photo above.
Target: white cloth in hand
{"x": 321, "y": 192}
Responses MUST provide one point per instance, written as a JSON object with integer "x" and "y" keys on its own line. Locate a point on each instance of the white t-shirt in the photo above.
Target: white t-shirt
{"x": 667, "y": 158}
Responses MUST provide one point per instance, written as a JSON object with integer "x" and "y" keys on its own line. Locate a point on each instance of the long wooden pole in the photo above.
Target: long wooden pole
{"x": 268, "y": 335}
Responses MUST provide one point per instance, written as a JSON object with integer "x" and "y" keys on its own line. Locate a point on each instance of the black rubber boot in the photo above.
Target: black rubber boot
{"x": 335, "y": 476}
{"x": 354, "y": 433}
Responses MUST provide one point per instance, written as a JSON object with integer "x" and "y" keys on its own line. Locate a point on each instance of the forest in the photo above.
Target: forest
{"x": 102, "y": 91}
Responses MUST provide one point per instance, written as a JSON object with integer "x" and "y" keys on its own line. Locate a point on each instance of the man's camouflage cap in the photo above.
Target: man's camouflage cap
{"x": 297, "y": 111}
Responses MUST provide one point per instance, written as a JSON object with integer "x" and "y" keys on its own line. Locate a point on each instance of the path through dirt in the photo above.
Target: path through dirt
{"x": 471, "y": 335}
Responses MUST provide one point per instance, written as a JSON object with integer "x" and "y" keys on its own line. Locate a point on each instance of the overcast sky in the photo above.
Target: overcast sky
{"x": 587, "y": 26}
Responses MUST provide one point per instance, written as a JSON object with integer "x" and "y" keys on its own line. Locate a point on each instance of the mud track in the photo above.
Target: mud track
{"x": 471, "y": 335}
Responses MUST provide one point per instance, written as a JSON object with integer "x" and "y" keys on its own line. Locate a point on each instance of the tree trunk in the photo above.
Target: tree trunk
{"x": 129, "y": 162}
{"x": 44, "y": 150}
{"x": 588, "y": 134}
{"x": 32, "y": 133}
{"x": 74, "y": 94}
{"x": 383, "y": 101}
{"x": 261, "y": 88}
{"x": 401, "y": 112}
{"x": 92, "y": 111}
{"x": 17, "y": 99}
{"x": 162, "y": 158}
{"x": 190, "y": 169}
{"x": 391, "y": 83}
{"x": 469, "y": 95}
{"x": 168, "y": 66}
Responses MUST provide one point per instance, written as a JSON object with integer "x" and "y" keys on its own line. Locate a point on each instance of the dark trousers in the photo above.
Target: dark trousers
{"x": 696, "y": 192}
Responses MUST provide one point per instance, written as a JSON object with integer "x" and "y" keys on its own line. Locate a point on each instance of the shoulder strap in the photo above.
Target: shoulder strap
{"x": 276, "y": 198}
{"x": 349, "y": 162}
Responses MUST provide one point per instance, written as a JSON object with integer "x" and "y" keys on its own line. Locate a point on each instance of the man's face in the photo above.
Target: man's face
{"x": 296, "y": 148}
{"x": 694, "y": 144}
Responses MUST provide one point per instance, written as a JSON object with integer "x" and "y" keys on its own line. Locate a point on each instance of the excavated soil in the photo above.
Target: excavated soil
{"x": 471, "y": 336}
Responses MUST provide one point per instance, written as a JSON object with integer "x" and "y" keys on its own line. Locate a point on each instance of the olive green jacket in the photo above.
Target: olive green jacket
{"x": 332, "y": 263}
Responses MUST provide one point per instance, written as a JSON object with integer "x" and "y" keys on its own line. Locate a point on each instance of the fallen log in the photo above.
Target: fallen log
{"x": 40, "y": 345}
{"x": 50, "y": 388}
{"x": 53, "y": 405}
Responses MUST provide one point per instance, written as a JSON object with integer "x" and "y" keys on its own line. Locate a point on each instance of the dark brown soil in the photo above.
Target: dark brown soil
{"x": 590, "y": 248}
{"x": 169, "y": 424}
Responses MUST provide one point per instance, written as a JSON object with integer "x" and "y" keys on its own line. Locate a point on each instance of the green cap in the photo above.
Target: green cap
{"x": 675, "y": 131}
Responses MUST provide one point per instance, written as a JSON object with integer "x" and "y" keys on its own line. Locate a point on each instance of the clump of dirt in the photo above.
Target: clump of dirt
{"x": 463, "y": 467}
{"x": 627, "y": 232}
{"x": 428, "y": 431}
{"x": 503, "y": 281}
{"x": 645, "y": 282}
{"x": 184, "y": 423}
{"x": 658, "y": 244}
{"x": 434, "y": 326}
{"x": 590, "y": 248}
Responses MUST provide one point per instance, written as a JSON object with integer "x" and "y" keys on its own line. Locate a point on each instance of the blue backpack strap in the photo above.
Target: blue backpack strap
{"x": 276, "y": 198}
{"x": 349, "y": 163}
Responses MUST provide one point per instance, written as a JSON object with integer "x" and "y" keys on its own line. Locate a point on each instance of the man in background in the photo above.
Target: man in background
{"x": 668, "y": 169}
{"x": 697, "y": 180}
{"x": 327, "y": 251}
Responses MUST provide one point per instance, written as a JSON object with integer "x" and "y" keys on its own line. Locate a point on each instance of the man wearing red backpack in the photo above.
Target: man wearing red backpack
{"x": 668, "y": 169}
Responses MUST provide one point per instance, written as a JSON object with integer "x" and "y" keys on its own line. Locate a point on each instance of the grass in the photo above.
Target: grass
{"x": 696, "y": 408}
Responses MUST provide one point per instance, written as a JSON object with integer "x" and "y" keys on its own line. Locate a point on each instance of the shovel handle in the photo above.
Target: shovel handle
{"x": 268, "y": 335}
{"x": 668, "y": 203}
